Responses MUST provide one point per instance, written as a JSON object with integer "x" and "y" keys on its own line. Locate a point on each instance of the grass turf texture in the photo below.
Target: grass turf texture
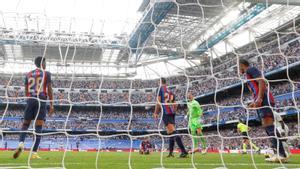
{"x": 119, "y": 160}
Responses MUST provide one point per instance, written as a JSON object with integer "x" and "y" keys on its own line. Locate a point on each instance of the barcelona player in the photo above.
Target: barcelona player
{"x": 195, "y": 113}
{"x": 145, "y": 146}
{"x": 263, "y": 101}
{"x": 166, "y": 102}
{"x": 38, "y": 89}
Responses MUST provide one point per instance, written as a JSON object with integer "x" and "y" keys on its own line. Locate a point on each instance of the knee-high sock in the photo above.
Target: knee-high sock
{"x": 195, "y": 139}
{"x": 203, "y": 141}
{"x": 270, "y": 130}
{"x": 180, "y": 144}
{"x": 38, "y": 130}
{"x": 253, "y": 145}
{"x": 171, "y": 144}
{"x": 178, "y": 141}
{"x": 244, "y": 147}
{"x": 23, "y": 134}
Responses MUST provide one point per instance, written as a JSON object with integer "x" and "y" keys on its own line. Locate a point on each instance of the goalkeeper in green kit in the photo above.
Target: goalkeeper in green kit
{"x": 195, "y": 113}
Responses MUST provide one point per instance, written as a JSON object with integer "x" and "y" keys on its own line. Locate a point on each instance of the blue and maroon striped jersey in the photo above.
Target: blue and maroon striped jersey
{"x": 37, "y": 82}
{"x": 251, "y": 74}
{"x": 167, "y": 98}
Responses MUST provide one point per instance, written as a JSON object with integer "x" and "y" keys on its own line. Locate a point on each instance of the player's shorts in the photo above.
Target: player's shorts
{"x": 195, "y": 124}
{"x": 168, "y": 119}
{"x": 266, "y": 111}
{"x": 245, "y": 135}
{"x": 33, "y": 109}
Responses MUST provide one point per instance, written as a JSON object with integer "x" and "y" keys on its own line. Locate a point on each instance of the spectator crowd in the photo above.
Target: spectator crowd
{"x": 267, "y": 54}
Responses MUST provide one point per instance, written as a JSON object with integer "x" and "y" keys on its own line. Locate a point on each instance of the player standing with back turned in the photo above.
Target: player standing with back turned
{"x": 166, "y": 101}
{"x": 37, "y": 89}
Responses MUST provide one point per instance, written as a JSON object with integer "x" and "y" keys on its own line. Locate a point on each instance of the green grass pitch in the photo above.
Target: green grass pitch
{"x": 119, "y": 160}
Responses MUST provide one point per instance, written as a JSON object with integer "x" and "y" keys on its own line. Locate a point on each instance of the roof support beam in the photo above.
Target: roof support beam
{"x": 152, "y": 17}
{"x": 282, "y": 2}
{"x": 223, "y": 33}
{"x": 167, "y": 61}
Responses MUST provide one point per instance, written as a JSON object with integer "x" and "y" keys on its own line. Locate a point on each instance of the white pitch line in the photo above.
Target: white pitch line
{"x": 14, "y": 167}
{"x": 28, "y": 167}
{"x": 14, "y": 164}
{"x": 171, "y": 168}
{"x": 250, "y": 164}
{"x": 17, "y": 165}
{"x": 207, "y": 164}
{"x": 232, "y": 164}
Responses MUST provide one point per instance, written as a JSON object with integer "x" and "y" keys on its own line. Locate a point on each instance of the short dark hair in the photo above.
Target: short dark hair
{"x": 244, "y": 62}
{"x": 163, "y": 80}
{"x": 38, "y": 60}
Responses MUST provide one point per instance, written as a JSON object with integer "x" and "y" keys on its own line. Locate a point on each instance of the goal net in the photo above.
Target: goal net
{"x": 106, "y": 60}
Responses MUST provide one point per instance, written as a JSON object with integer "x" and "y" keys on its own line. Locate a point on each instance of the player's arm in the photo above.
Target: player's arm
{"x": 250, "y": 90}
{"x": 174, "y": 105}
{"x": 157, "y": 107}
{"x": 256, "y": 74}
{"x": 26, "y": 90}
{"x": 262, "y": 88}
{"x": 26, "y": 86}
{"x": 189, "y": 109}
{"x": 200, "y": 109}
{"x": 50, "y": 94}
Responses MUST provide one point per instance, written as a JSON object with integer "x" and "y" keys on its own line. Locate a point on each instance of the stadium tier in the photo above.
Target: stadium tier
{"x": 134, "y": 83}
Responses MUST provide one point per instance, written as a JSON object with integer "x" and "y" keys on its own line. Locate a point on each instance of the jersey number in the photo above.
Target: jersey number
{"x": 166, "y": 96}
{"x": 37, "y": 82}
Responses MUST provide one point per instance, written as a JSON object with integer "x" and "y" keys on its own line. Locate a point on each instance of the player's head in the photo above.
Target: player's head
{"x": 190, "y": 96}
{"x": 163, "y": 81}
{"x": 40, "y": 62}
{"x": 244, "y": 64}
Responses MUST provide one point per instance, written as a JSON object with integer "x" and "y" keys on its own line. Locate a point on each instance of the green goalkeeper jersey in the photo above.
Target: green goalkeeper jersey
{"x": 242, "y": 127}
{"x": 195, "y": 110}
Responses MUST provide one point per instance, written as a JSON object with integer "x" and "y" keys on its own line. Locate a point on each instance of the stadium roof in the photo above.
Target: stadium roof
{"x": 108, "y": 17}
{"x": 92, "y": 27}
{"x": 100, "y": 32}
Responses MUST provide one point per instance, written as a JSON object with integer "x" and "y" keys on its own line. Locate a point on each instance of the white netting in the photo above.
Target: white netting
{"x": 105, "y": 85}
